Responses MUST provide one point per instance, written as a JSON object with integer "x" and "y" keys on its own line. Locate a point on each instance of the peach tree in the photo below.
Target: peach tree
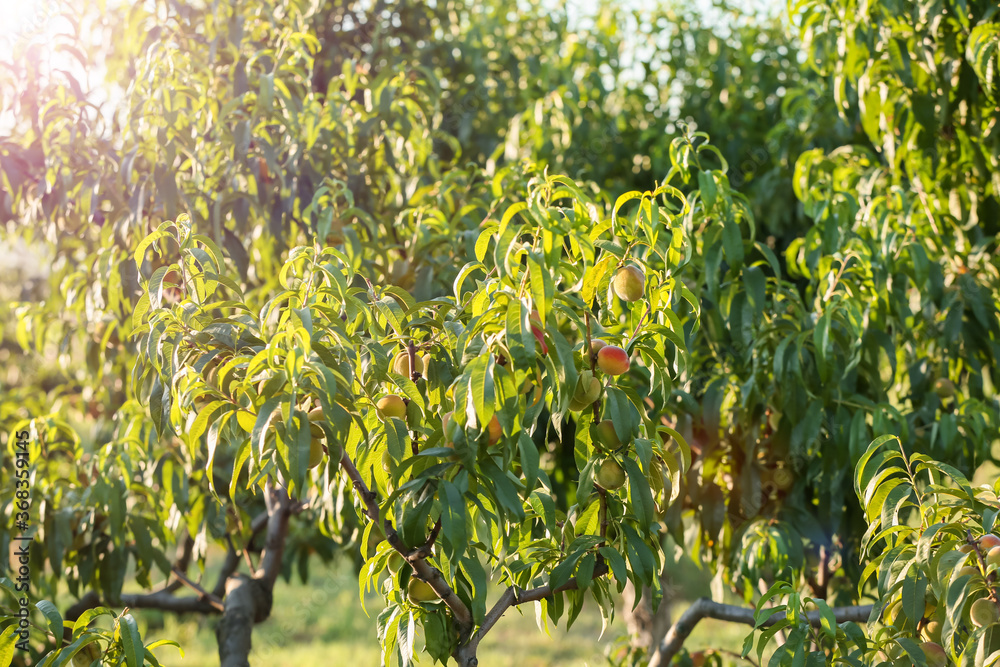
{"x": 440, "y": 419}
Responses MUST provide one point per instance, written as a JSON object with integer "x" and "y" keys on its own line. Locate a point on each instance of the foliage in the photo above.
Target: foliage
{"x": 879, "y": 320}
{"x": 927, "y": 549}
{"x": 121, "y": 644}
{"x": 214, "y": 365}
{"x": 262, "y": 212}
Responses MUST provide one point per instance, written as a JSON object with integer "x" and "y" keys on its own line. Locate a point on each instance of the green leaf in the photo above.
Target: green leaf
{"x": 520, "y": 339}
{"x": 8, "y": 639}
{"x": 541, "y": 285}
{"x": 87, "y": 617}
{"x": 982, "y": 51}
{"x": 453, "y": 524}
{"x": 709, "y": 191}
{"x": 396, "y": 438}
{"x": 131, "y": 641}
{"x": 529, "y": 460}
{"x": 622, "y": 413}
{"x": 617, "y": 565}
{"x": 914, "y": 589}
{"x": 732, "y": 241}
{"x": 755, "y": 284}
{"x": 54, "y": 619}
{"x": 595, "y": 278}
{"x": 640, "y": 498}
{"x": 481, "y": 388}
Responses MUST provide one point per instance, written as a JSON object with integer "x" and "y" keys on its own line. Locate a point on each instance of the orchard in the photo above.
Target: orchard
{"x": 506, "y": 310}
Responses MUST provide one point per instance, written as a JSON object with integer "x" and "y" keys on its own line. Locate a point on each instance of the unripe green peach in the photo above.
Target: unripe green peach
{"x": 944, "y": 388}
{"x": 387, "y": 461}
{"x": 401, "y": 364}
{"x": 445, "y": 425}
{"x": 984, "y": 612}
{"x": 612, "y": 360}
{"x": 970, "y": 570}
{"x": 891, "y": 653}
{"x": 607, "y": 436}
{"x": 318, "y": 436}
{"x": 610, "y": 475}
{"x": 934, "y": 654}
{"x": 395, "y": 562}
{"x": 629, "y": 283}
{"x": 420, "y": 591}
{"x": 596, "y": 345}
{"x": 993, "y": 557}
{"x": 933, "y": 631}
{"x": 391, "y": 405}
{"x": 588, "y": 388}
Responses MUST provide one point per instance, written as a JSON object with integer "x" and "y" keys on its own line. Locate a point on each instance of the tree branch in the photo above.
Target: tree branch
{"x": 421, "y": 568}
{"x": 163, "y": 599}
{"x": 248, "y": 599}
{"x": 168, "y": 602}
{"x": 182, "y": 561}
{"x": 203, "y": 594}
{"x": 229, "y": 566}
{"x": 513, "y": 596}
{"x": 705, "y": 608}
{"x": 277, "y": 530}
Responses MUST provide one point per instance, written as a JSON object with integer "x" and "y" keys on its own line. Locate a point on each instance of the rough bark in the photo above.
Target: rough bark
{"x": 248, "y": 599}
{"x": 646, "y": 627}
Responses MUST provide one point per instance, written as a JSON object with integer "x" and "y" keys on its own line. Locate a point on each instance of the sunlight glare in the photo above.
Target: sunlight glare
{"x": 18, "y": 17}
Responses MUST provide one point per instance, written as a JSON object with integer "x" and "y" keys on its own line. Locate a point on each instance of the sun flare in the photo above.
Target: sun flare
{"x": 19, "y": 15}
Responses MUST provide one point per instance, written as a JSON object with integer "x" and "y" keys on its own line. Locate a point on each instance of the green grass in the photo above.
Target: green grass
{"x": 322, "y": 622}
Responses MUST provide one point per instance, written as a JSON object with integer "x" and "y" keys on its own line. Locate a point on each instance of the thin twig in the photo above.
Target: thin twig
{"x": 513, "y": 596}
{"x": 205, "y": 595}
{"x": 421, "y": 568}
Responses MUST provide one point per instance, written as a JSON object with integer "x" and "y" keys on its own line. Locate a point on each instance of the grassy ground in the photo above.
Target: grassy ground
{"x": 323, "y": 623}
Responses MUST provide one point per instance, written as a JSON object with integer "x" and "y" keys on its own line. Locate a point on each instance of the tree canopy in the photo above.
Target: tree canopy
{"x": 480, "y": 297}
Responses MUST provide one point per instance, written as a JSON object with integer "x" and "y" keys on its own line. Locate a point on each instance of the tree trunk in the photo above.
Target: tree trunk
{"x": 248, "y": 601}
{"x": 647, "y": 627}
